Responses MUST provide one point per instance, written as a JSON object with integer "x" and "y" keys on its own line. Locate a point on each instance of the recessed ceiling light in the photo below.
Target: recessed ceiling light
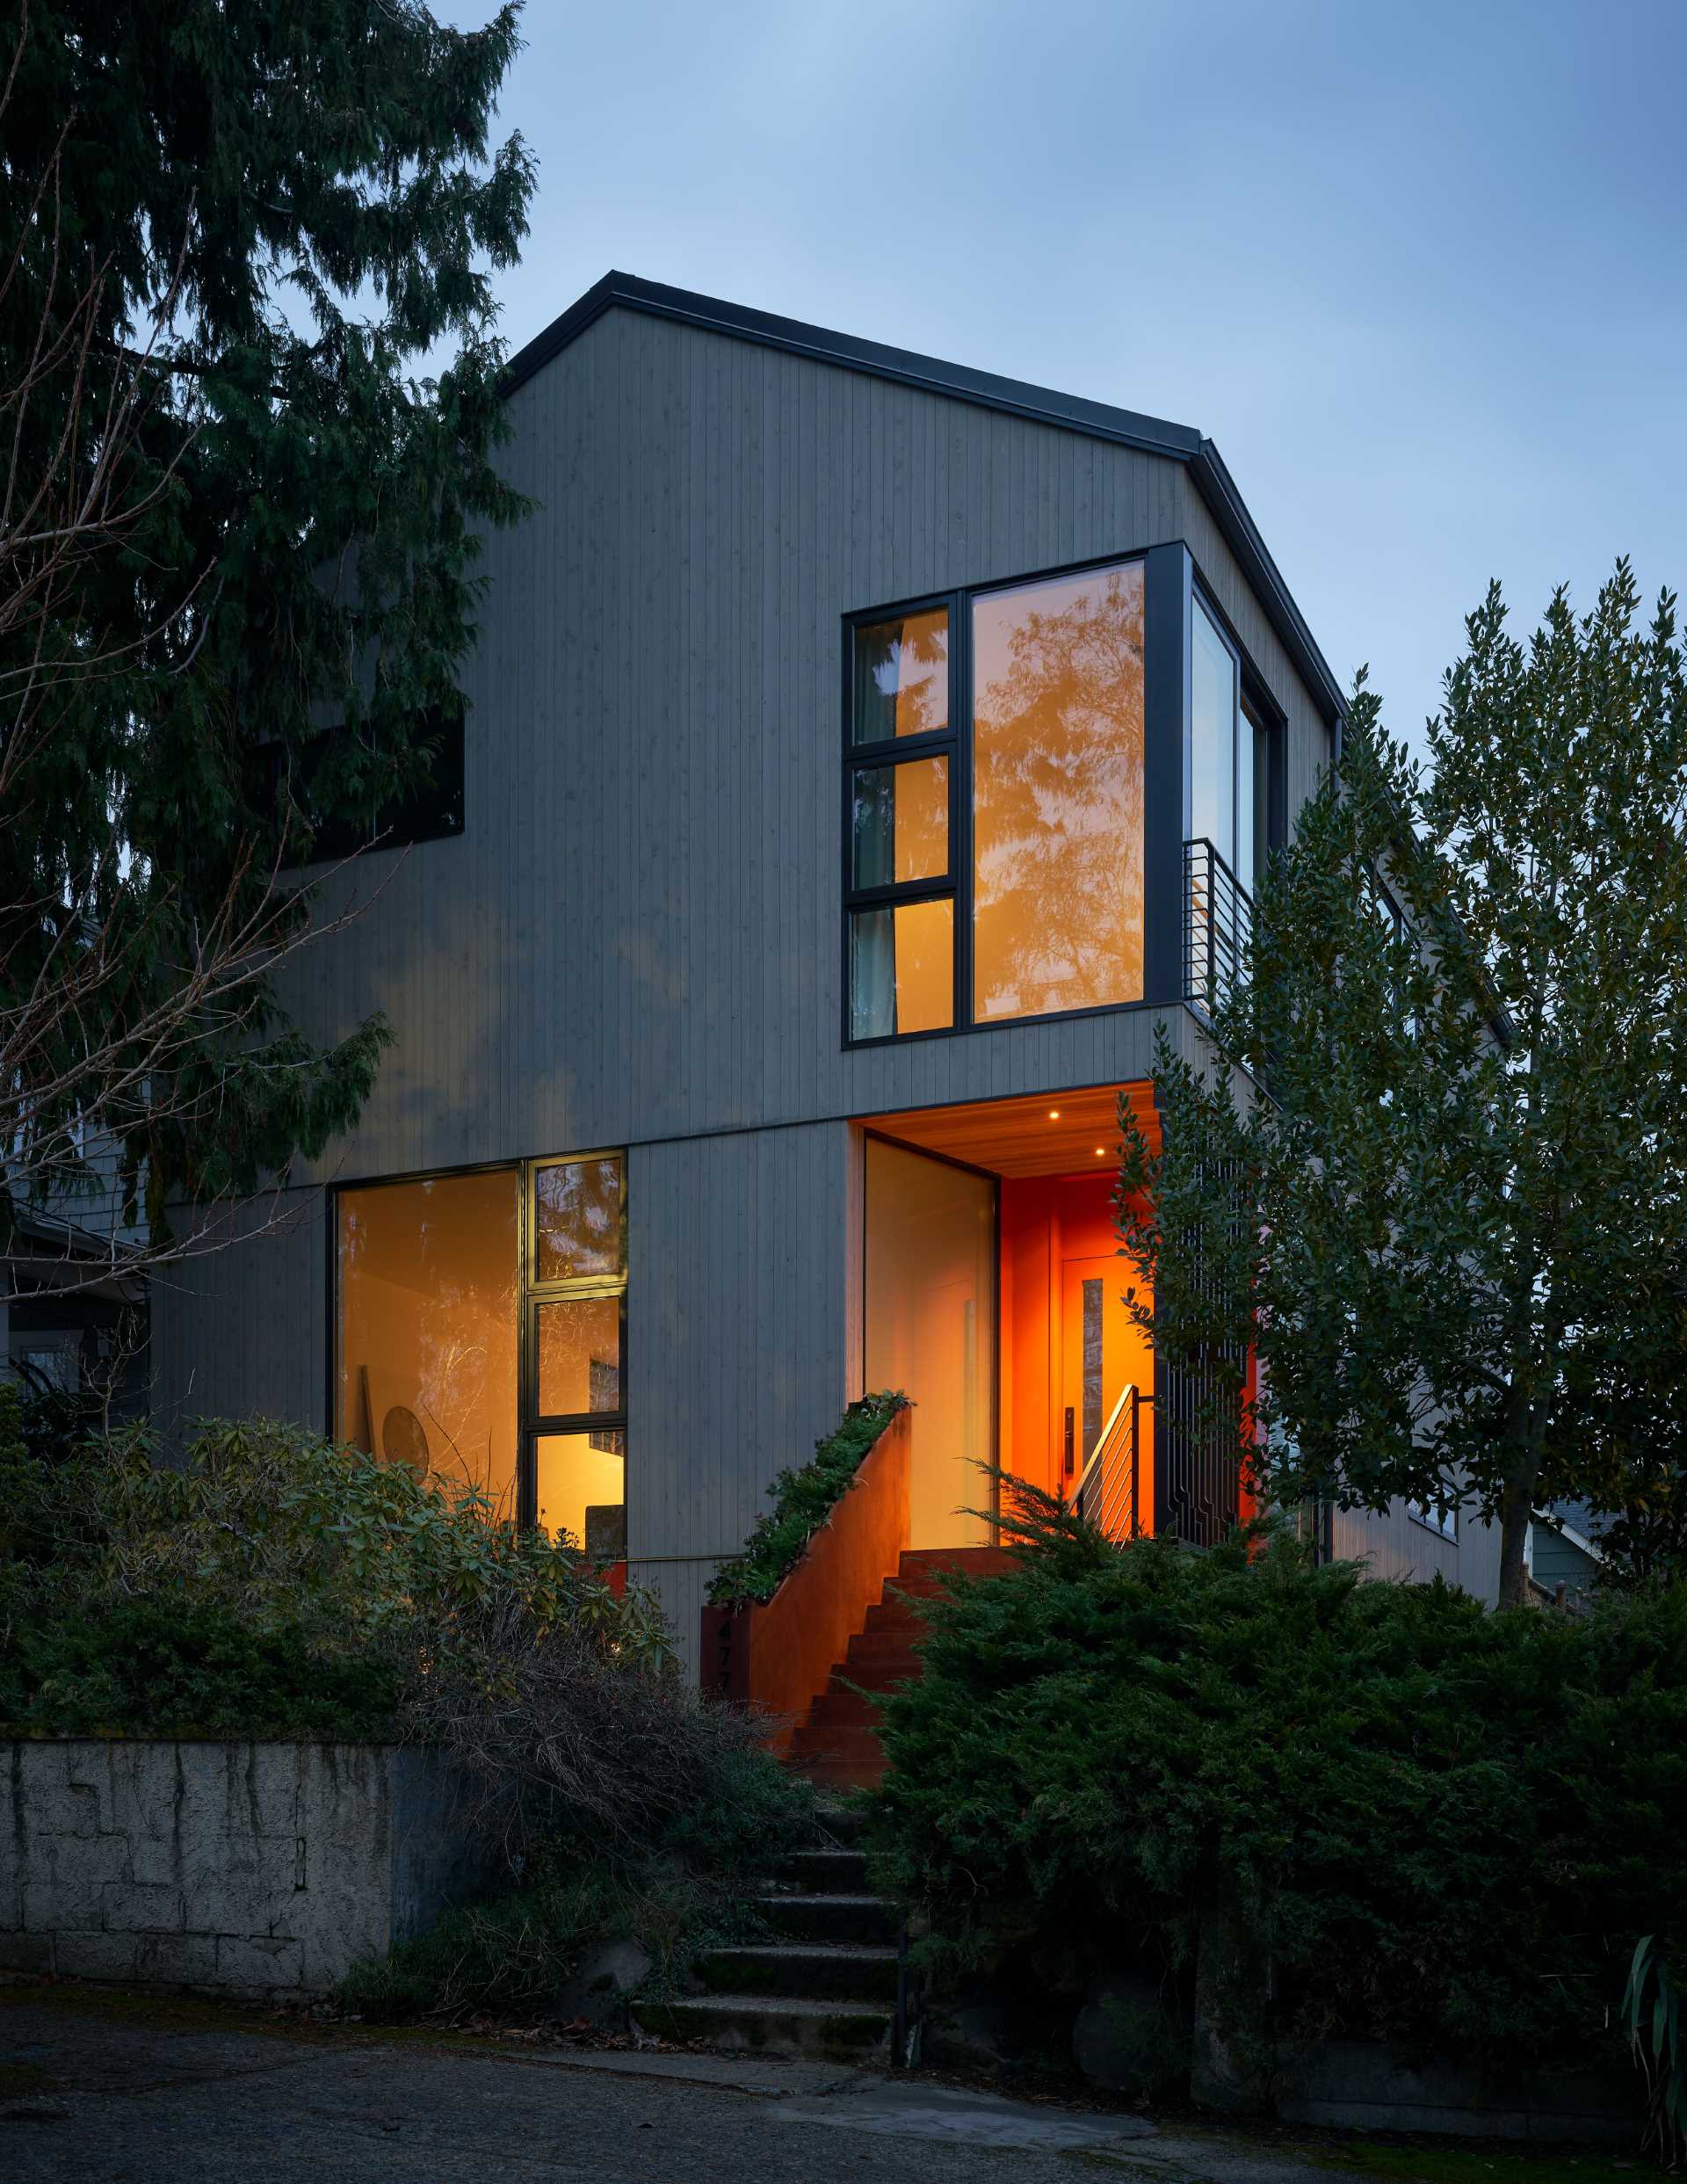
{"x": 1101, "y": 1152}
{"x": 1053, "y": 1114}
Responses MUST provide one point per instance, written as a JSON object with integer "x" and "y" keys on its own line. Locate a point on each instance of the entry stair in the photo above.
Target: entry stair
{"x": 838, "y": 1747}
{"x": 825, "y": 1982}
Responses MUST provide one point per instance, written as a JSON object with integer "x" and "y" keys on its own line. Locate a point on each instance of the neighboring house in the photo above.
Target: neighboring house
{"x": 1563, "y": 1554}
{"x": 863, "y": 758}
{"x": 73, "y": 1313}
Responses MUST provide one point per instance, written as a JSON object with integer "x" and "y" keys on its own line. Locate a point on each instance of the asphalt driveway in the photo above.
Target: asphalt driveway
{"x": 124, "y": 2090}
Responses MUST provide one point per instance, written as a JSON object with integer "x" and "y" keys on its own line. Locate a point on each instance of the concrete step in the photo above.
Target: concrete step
{"x": 824, "y": 1872}
{"x": 774, "y": 2024}
{"x": 842, "y": 1778}
{"x": 816, "y": 1971}
{"x": 839, "y": 1824}
{"x": 862, "y": 1921}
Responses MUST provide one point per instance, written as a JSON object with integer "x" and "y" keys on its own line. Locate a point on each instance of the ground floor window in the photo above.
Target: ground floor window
{"x": 479, "y": 1335}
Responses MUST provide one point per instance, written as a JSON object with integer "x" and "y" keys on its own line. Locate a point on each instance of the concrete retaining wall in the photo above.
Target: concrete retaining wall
{"x": 257, "y": 1870}
{"x": 1355, "y": 2084}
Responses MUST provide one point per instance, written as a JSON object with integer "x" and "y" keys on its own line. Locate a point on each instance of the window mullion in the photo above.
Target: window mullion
{"x": 961, "y": 808}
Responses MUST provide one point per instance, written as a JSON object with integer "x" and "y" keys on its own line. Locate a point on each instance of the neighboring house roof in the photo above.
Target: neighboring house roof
{"x": 1179, "y": 443}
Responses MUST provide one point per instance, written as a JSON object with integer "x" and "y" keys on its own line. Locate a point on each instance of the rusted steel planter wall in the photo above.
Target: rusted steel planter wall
{"x": 776, "y": 1656}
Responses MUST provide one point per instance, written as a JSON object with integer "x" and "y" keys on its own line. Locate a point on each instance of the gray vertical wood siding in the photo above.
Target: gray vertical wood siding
{"x": 239, "y": 1333}
{"x": 736, "y": 1326}
{"x": 637, "y": 940}
{"x": 639, "y": 936}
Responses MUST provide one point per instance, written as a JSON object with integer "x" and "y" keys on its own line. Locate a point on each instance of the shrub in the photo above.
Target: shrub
{"x": 513, "y": 1954}
{"x": 1441, "y": 1825}
{"x": 280, "y": 1585}
{"x": 282, "y": 1527}
{"x": 802, "y": 1500}
{"x": 157, "y": 1668}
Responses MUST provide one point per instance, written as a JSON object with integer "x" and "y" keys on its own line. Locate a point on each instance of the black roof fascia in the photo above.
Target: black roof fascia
{"x": 1218, "y": 488}
{"x": 960, "y": 382}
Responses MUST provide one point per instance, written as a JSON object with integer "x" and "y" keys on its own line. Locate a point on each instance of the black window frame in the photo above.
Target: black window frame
{"x": 536, "y": 1425}
{"x": 1255, "y": 710}
{"x": 944, "y": 743}
{"x": 530, "y": 1292}
{"x": 955, "y": 741}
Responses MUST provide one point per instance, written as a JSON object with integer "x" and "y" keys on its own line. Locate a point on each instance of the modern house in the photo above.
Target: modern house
{"x": 864, "y": 757}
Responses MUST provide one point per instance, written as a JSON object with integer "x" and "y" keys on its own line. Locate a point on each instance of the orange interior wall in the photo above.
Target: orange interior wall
{"x": 1046, "y": 1220}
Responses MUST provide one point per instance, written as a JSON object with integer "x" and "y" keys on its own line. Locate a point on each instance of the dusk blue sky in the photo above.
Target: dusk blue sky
{"x": 1418, "y": 269}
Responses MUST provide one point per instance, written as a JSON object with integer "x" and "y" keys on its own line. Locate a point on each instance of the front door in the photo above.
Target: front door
{"x": 1103, "y": 1352}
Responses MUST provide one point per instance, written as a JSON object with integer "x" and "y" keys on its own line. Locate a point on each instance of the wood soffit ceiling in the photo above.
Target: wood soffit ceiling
{"x": 1043, "y": 1134}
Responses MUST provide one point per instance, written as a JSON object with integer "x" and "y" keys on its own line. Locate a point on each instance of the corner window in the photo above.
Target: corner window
{"x": 1232, "y": 757}
{"x": 1222, "y": 771}
{"x": 994, "y": 842}
{"x": 481, "y": 1338}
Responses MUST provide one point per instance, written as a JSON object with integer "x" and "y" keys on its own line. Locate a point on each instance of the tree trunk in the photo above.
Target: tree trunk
{"x": 1516, "y": 1506}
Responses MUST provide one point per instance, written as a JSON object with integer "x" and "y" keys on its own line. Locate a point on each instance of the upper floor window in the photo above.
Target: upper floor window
{"x": 1228, "y": 772}
{"x": 430, "y": 810}
{"x": 994, "y": 804}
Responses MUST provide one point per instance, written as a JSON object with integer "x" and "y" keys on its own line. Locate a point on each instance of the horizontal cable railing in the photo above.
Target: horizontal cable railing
{"x": 1217, "y": 919}
{"x": 1107, "y": 1493}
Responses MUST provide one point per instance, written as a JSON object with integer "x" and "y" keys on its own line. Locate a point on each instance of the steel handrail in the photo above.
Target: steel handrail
{"x": 1218, "y": 924}
{"x": 1106, "y": 1495}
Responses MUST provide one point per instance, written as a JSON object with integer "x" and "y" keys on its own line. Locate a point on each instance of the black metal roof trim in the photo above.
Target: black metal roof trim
{"x": 1218, "y": 488}
{"x": 960, "y": 382}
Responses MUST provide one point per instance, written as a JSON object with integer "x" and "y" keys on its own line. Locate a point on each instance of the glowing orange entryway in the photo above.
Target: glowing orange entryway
{"x": 1017, "y": 1355}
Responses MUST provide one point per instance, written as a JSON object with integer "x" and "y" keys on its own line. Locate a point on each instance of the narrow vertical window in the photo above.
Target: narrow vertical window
{"x": 898, "y": 781}
{"x": 1092, "y": 1356}
{"x": 1214, "y": 695}
{"x": 576, "y": 1364}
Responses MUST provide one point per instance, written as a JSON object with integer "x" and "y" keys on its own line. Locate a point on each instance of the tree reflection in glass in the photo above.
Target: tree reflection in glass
{"x": 579, "y": 1223}
{"x": 902, "y": 677}
{"x": 1057, "y": 794}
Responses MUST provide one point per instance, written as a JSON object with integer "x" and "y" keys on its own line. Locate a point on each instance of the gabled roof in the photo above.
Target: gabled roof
{"x": 1179, "y": 443}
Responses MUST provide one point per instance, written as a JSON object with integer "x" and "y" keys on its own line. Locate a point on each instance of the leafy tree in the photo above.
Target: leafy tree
{"x": 1437, "y": 1173}
{"x": 237, "y": 544}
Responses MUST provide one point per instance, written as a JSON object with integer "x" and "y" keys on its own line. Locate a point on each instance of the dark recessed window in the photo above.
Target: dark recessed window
{"x": 993, "y": 749}
{"x": 291, "y": 788}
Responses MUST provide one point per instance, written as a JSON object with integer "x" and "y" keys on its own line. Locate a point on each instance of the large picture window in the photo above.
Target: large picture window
{"x": 481, "y": 1338}
{"x": 994, "y": 771}
{"x": 426, "y": 1365}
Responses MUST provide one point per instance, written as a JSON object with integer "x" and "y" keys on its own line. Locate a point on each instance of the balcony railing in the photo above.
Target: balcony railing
{"x": 1107, "y": 1493}
{"x": 1217, "y": 919}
